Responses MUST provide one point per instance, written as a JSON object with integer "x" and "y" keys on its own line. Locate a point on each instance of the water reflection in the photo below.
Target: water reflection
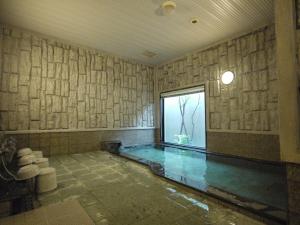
{"x": 192, "y": 200}
{"x": 248, "y": 183}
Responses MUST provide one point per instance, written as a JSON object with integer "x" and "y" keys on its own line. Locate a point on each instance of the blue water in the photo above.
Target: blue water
{"x": 255, "y": 181}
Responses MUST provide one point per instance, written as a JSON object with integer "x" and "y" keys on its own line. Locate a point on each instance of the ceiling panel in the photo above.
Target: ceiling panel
{"x": 130, "y": 27}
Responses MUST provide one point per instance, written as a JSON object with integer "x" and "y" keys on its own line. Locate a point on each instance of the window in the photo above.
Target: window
{"x": 183, "y": 117}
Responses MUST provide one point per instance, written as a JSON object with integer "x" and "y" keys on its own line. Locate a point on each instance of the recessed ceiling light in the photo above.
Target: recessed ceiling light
{"x": 227, "y": 77}
{"x": 168, "y": 7}
{"x": 194, "y": 20}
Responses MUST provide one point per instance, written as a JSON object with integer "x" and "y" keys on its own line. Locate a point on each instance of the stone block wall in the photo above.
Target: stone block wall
{"x": 293, "y": 170}
{"x": 47, "y": 84}
{"x": 55, "y": 143}
{"x": 298, "y": 49}
{"x": 249, "y": 104}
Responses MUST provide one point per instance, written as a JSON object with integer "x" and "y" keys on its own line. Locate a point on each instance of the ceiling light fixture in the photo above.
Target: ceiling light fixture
{"x": 168, "y": 7}
{"x": 227, "y": 77}
{"x": 149, "y": 54}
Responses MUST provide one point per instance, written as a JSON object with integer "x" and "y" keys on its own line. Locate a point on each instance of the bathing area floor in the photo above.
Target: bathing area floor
{"x": 115, "y": 190}
{"x": 62, "y": 213}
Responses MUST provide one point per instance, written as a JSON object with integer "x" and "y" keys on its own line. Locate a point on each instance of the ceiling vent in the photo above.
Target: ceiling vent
{"x": 149, "y": 54}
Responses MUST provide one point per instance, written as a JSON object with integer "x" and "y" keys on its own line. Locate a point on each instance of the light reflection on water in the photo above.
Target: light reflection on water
{"x": 192, "y": 200}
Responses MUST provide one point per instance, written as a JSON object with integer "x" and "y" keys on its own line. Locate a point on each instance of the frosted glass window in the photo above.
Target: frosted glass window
{"x": 184, "y": 119}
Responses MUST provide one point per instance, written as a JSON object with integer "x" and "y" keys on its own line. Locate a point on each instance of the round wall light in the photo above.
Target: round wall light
{"x": 227, "y": 77}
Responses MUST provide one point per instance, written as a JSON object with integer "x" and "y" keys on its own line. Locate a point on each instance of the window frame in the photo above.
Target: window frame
{"x": 162, "y": 114}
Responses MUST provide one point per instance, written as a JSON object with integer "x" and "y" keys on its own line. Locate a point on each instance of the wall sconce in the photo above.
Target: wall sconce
{"x": 227, "y": 77}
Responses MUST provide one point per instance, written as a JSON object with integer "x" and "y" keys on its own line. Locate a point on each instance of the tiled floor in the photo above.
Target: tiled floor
{"x": 114, "y": 190}
{"x": 63, "y": 213}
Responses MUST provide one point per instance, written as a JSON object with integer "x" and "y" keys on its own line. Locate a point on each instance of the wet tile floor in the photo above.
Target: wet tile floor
{"x": 114, "y": 190}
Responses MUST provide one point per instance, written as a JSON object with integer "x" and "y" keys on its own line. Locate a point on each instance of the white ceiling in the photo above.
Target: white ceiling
{"x": 129, "y": 27}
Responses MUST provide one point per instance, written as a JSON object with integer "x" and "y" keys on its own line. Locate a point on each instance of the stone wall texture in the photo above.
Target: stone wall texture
{"x": 298, "y": 49}
{"x": 55, "y": 143}
{"x": 249, "y": 145}
{"x": 47, "y": 84}
{"x": 247, "y": 104}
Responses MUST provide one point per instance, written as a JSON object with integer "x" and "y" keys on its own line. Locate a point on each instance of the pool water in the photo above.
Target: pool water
{"x": 257, "y": 185}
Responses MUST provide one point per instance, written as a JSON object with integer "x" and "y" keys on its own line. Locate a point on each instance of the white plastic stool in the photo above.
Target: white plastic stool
{"x": 26, "y": 160}
{"x": 27, "y": 172}
{"x": 24, "y": 151}
{"x": 46, "y": 181}
{"x": 42, "y": 162}
{"x": 38, "y": 154}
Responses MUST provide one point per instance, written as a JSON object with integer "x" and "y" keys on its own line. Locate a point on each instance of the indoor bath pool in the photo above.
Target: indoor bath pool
{"x": 258, "y": 186}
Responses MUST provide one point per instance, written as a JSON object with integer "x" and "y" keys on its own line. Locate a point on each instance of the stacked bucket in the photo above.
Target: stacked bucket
{"x": 32, "y": 164}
